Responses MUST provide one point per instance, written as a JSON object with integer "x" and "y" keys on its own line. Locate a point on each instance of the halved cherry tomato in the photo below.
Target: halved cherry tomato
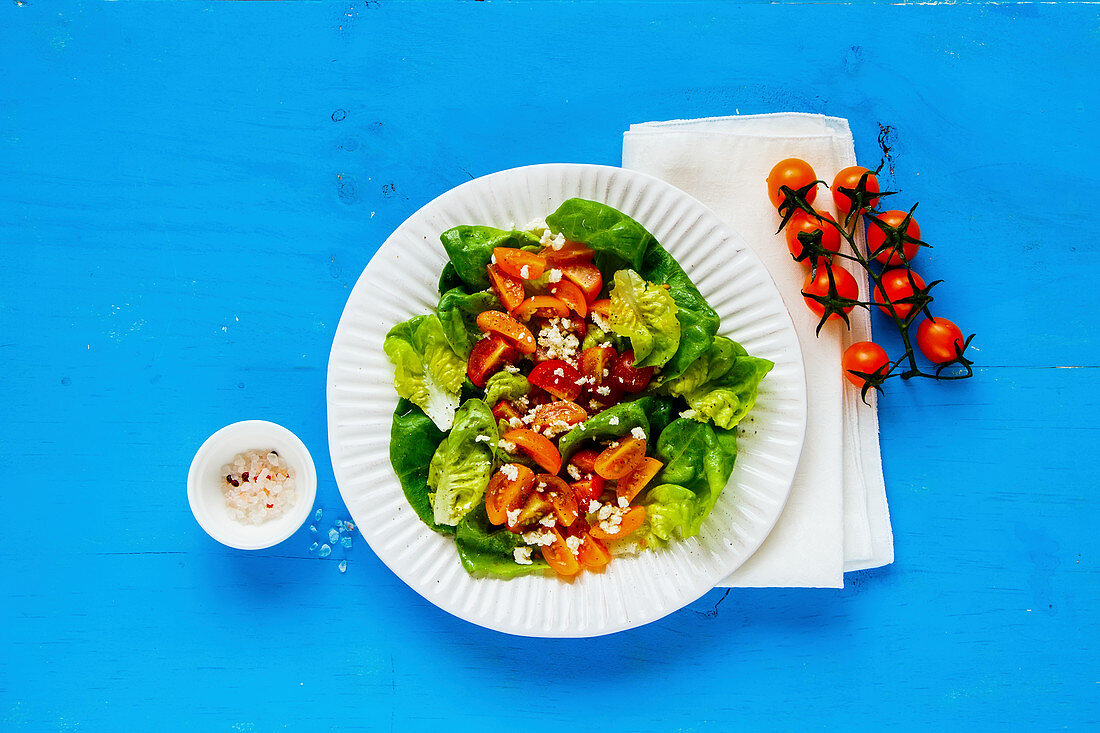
{"x": 631, "y": 485}
{"x": 626, "y": 376}
{"x": 519, "y": 262}
{"x": 489, "y": 356}
{"x": 794, "y": 173}
{"x": 849, "y": 178}
{"x": 602, "y": 308}
{"x": 802, "y": 221}
{"x": 598, "y": 402}
{"x": 876, "y": 238}
{"x": 592, "y": 554}
{"x": 585, "y": 460}
{"x": 588, "y": 489}
{"x": 557, "y": 377}
{"x": 595, "y": 361}
{"x": 587, "y": 277}
{"x": 571, "y": 295}
{"x": 544, "y": 306}
{"x": 512, "y": 331}
{"x": 505, "y": 410}
{"x": 819, "y": 285}
{"x": 538, "y": 447}
{"x": 504, "y": 494}
{"x": 558, "y": 416}
{"x": 559, "y": 557}
{"x": 561, "y": 497}
{"x": 570, "y": 253}
{"x": 619, "y": 460}
{"x": 632, "y": 518}
{"x": 896, "y": 286}
{"x": 509, "y": 290}
{"x": 535, "y": 507}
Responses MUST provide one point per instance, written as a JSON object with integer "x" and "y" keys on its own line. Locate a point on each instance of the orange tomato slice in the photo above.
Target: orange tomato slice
{"x": 543, "y": 306}
{"x": 488, "y": 356}
{"x": 512, "y": 331}
{"x": 560, "y": 496}
{"x": 585, "y": 276}
{"x": 559, "y": 557}
{"x": 538, "y": 447}
{"x": 519, "y": 263}
{"x": 631, "y": 485}
{"x": 592, "y": 554}
{"x": 509, "y": 290}
{"x": 632, "y": 518}
{"x": 619, "y": 460}
{"x": 595, "y": 360}
{"x": 558, "y": 416}
{"x": 504, "y": 494}
{"x": 570, "y": 253}
{"x": 571, "y": 295}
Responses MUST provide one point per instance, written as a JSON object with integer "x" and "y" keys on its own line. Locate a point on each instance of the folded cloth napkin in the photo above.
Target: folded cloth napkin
{"x": 836, "y": 518}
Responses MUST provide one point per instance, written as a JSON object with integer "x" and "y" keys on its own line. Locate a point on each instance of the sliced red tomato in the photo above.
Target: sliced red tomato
{"x": 585, "y": 460}
{"x": 507, "y": 490}
{"x": 519, "y": 262}
{"x": 587, "y": 277}
{"x": 558, "y": 416}
{"x": 626, "y": 376}
{"x": 538, "y": 447}
{"x": 568, "y": 293}
{"x": 632, "y": 518}
{"x": 543, "y": 306}
{"x": 559, "y": 557}
{"x": 513, "y": 332}
{"x": 570, "y": 253}
{"x": 632, "y": 484}
{"x": 620, "y": 459}
{"x": 588, "y": 490}
{"x": 592, "y": 554}
{"x": 488, "y": 357}
{"x": 509, "y": 289}
{"x": 560, "y": 496}
{"x": 556, "y": 377}
{"x": 505, "y": 410}
{"x": 595, "y": 363}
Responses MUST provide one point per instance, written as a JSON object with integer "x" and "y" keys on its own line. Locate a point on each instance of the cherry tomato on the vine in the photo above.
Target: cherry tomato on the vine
{"x": 818, "y": 284}
{"x": 793, "y": 173}
{"x": 849, "y": 178}
{"x": 802, "y": 221}
{"x": 895, "y": 287}
{"x": 876, "y": 237}
{"x": 938, "y": 338}
{"x": 863, "y": 356}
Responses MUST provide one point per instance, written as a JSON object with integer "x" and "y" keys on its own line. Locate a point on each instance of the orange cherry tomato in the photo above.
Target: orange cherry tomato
{"x": 632, "y": 518}
{"x": 595, "y": 362}
{"x": 558, "y": 416}
{"x": 585, "y": 460}
{"x": 519, "y": 262}
{"x": 628, "y": 377}
{"x": 561, "y": 497}
{"x": 619, "y": 460}
{"x": 602, "y": 308}
{"x": 803, "y": 222}
{"x": 489, "y": 356}
{"x": 585, "y": 276}
{"x": 559, "y": 557}
{"x": 794, "y": 173}
{"x": 849, "y": 178}
{"x": 632, "y": 484}
{"x": 509, "y": 290}
{"x": 592, "y": 554}
{"x": 544, "y": 306}
{"x": 570, "y": 253}
{"x": 505, "y": 410}
{"x": 557, "y": 377}
{"x": 513, "y": 332}
{"x": 571, "y": 295}
{"x": 896, "y": 285}
{"x": 588, "y": 490}
{"x": 504, "y": 494}
{"x": 819, "y": 285}
{"x": 538, "y": 447}
{"x": 535, "y": 507}
{"x": 876, "y": 238}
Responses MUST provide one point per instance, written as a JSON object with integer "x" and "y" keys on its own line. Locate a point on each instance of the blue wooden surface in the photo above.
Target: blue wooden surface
{"x": 187, "y": 193}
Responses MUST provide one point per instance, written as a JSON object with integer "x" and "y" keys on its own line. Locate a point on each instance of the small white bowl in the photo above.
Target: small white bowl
{"x": 205, "y": 481}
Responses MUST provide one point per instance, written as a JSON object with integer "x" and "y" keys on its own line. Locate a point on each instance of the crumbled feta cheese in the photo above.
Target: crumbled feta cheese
{"x": 593, "y": 506}
{"x": 522, "y": 555}
{"x": 559, "y": 372}
{"x": 548, "y": 521}
{"x": 506, "y": 445}
{"x": 612, "y": 421}
{"x": 573, "y": 543}
{"x": 515, "y": 422}
{"x": 510, "y": 471}
{"x": 638, "y": 433}
{"x": 623, "y": 502}
{"x": 603, "y": 390}
{"x": 513, "y": 516}
{"x": 511, "y": 368}
{"x": 582, "y": 427}
{"x": 574, "y": 472}
{"x": 483, "y": 439}
{"x": 554, "y": 343}
{"x": 541, "y": 537}
{"x": 536, "y": 226}
{"x": 554, "y": 276}
{"x": 600, "y": 322}
{"x": 687, "y": 413}
{"x": 554, "y": 241}
{"x": 605, "y": 345}
{"x": 525, "y": 272}
{"x": 610, "y": 518}
{"x": 566, "y": 323}
{"x": 493, "y": 259}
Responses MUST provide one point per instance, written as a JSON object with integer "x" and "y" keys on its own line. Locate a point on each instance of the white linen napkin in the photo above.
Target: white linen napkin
{"x": 836, "y": 518}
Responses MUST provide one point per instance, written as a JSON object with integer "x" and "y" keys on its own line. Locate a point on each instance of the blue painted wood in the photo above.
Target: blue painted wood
{"x": 187, "y": 193}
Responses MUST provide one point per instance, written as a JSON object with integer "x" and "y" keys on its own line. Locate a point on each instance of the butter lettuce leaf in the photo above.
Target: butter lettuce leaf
{"x": 471, "y": 249}
{"x": 458, "y": 311}
{"x": 646, "y": 314}
{"x": 721, "y": 385}
{"x": 414, "y": 439}
{"x": 462, "y": 464}
{"x": 427, "y": 371}
{"x": 650, "y": 413}
{"x": 621, "y": 240}
{"x": 489, "y": 550}
{"x": 505, "y": 385}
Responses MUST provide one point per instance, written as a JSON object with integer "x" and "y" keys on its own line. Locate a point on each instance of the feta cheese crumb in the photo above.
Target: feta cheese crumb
{"x": 548, "y": 521}
{"x": 506, "y": 445}
{"x": 600, "y": 322}
{"x": 513, "y": 516}
{"x": 511, "y": 368}
{"x": 574, "y": 472}
{"x": 593, "y": 506}
{"x": 510, "y": 471}
{"x": 525, "y": 272}
{"x": 541, "y": 538}
{"x": 612, "y": 421}
{"x": 603, "y": 390}
{"x": 638, "y": 433}
{"x": 573, "y": 543}
{"x": 554, "y": 276}
{"x": 623, "y": 502}
{"x": 522, "y": 555}
{"x": 687, "y": 413}
{"x": 493, "y": 259}
{"x": 483, "y": 439}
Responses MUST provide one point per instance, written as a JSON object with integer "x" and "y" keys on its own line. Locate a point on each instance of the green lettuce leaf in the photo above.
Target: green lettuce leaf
{"x": 650, "y": 413}
{"x": 646, "y": 314}
{"x": 458, "y": 311}
{"x": 449, "y": 279}
{"x": 427, "y": 371}
{"x": 486, "y": 549}
{"x": 621, "y": 240}
{"x": 721, "y": 385}
{"x": 471, "y": 249}
{"x": 463, "y": 462}
{"x": 413, "y": 440}
{"x": 669, "y": 508}
{"x": 505, "y": 386}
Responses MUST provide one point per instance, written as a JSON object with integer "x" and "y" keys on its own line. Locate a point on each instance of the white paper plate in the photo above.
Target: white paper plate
{"x": 400, "y": 282}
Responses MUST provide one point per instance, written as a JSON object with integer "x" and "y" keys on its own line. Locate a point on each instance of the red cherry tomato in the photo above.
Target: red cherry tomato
{"x": 863, "y": 356}
{"x": 895, "y": 287}
{"x": 488, "y": 357}
{"x": 938, "y": 340}
{"x": 849, "y": 178}
{"x": 596, "y": 360}
{"x": 543, "y": 306}
{"x": 519, "y": 262}
{"x": 557, "y": 377}
{"x": 509, "y": 289}
{"x": 558, "y": 416}
{"x": 876, "y": 238}
{"x": 570, "y": 253}
{"x": 585, "y": 276}
{"x": 588, "y": 489}
{"x": 568, "y": 293}
{"x": 793, "y": 173}
{"x": 625, "y": 376}
{"x": 561, "y": 498}
{"x": 801, "y": 221}
{"x": 846, "y": 287}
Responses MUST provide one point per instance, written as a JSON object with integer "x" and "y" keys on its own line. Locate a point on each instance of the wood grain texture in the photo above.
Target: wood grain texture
{"x": 187, "y": 193}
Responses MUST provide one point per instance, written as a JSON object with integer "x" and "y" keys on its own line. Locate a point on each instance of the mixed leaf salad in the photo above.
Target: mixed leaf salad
{"x": 569, "y": 399}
